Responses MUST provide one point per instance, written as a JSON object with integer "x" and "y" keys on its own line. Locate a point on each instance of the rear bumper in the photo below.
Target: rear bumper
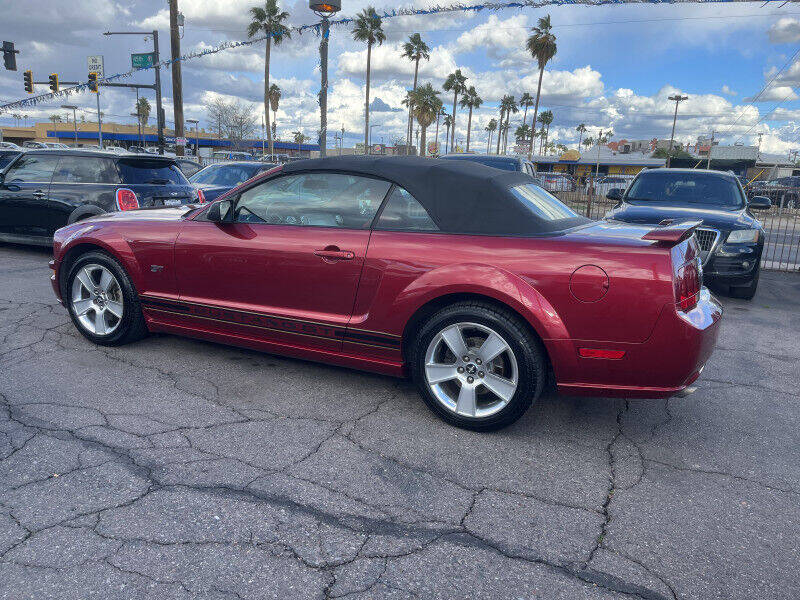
{"x": 665, "y": 365}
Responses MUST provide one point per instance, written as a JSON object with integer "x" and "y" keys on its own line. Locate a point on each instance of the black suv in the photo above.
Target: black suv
{"x": 505, "y": 163}
{"x": 731, "y": 239}
{"x": 42, "y": 190}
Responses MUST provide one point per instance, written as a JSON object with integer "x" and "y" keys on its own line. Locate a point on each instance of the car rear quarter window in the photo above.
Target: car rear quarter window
{"x": 156, "y": 172}
{"x": 33, "y": 168}
{"x": 85, "y": 169}
{"x": 403, "y": 212}
{"x": 541, "y": 203}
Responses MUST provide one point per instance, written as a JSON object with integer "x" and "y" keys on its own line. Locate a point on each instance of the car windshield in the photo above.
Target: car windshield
{"x": 225, "y": 175}
{"x": 541, "y": 203}
{"x": 157, "y": 172}
{"x": 706, "y": 189}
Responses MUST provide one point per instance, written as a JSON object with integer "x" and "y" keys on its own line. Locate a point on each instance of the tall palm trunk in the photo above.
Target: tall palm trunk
{"x": 447, "y": 140}
{"x": 580, "y": 139}
{"x": 500, "y": 128}
{"x": 438, "y": 116}
{"x": 469, "y": 126}
{"x": 536, "y": 107}
{"x": 274, "y": 123}
{"x": 525, "y": 115}
{"x": 410, "y": 131}
{"x": 505, "y": 133}
{"x": 422, "y": 141}
{"x": 547, "y": 135}
{"x": 489, "y": 142}
{"x": 453, "y": 132}
{"x": 366, "y": 104}
{"x": 267, "y": 49}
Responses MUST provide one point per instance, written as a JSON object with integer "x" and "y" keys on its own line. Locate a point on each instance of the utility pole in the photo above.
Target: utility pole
{"x": 710, "y": 148}
{"x": 677, "y": 99}
{"x": 157, "y": 69}
{"x": 73, "y": 108}
{"x": 177, "y": 80}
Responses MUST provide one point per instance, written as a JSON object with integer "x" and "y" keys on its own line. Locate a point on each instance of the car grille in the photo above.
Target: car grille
{"x": 706, "y": 238}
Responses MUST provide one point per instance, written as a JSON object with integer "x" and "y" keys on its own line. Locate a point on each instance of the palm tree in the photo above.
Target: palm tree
{"x": 491, "y": 127}
{"x": 448, "y": 122}
{"x": 588, "y": 142}
{"x": 501, "y": 123}
{"x": 441, "y": 114}
{"x": 274, "y": 100}
{"x": 542, "y": 140}
{"x": 456, "y": 83}
{"x": 525, "y": 101}
{"x": 299, "y": 138}
{"x": 521, "y": 133}
{"x": 268, "y": 21}
{"x": 542, "y": 46}
{"x": 510, "y": 105}
{"x": 545, "y": 119}
{"x": 561, "y": 148}
{"x": 368, "y": 28}
{"x": 470, "y": 100}
{"x": 142, "y": 111}
{"x": 581, "y": 129}
{"x": 415, "y": 50}
{"x": 426, "y": 105}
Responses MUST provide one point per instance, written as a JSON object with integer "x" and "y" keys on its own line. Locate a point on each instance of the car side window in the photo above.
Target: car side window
{"x": 404, "y": 212}
{"x": 32, "y": 168}
{"x": 85, "y": 169}
{"x": 313, "y": 199}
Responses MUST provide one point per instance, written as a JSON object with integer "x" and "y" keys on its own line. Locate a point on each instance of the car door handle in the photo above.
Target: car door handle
{"x": 335, "y": 254}
{"x": 39, "y": 194}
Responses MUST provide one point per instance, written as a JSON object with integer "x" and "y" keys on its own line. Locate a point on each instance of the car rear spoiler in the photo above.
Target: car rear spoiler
{"x": 670, "y": 233}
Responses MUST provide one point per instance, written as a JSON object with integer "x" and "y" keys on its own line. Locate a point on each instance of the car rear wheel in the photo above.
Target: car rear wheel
{"x": 477, "y": 366}
{"x": 102, "y": 301}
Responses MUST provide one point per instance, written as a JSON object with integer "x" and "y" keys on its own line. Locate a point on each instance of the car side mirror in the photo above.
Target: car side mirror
{"x": 218, "y": 212}
{"x": 759, "y": 203}
{"x": 615, "y": 194}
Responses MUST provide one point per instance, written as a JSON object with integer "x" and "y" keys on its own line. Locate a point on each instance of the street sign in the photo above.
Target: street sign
{"x": 142, "y": 61}
{"x": 95, "y": 65}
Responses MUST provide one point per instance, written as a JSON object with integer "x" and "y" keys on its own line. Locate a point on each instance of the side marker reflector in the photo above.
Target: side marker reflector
{"x": 598, "y": 353}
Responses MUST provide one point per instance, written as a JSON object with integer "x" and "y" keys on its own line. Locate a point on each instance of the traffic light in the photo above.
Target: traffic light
{"x": 53, "y": 82}
{"x": 93, "y": 82}
{"x": 9, "y": 56}
{"x": 27, "y": 77}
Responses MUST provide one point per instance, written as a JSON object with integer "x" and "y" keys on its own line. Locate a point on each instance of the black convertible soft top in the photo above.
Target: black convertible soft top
{"x": 460, "y": 196}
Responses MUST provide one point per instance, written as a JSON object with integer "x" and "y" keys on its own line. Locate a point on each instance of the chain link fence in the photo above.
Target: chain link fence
{"x": 781, "y": 222}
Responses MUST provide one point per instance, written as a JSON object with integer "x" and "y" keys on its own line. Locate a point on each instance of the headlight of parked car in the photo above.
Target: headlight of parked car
{"x": 743, "y": 236}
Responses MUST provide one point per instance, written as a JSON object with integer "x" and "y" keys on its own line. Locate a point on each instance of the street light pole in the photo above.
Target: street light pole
{"x": 677, "y": 99}
{"x": 74, "y": 120}
{"x": 324, "y": 9}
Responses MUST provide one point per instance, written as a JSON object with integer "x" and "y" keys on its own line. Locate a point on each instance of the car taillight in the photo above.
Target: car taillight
{"x": 126, "y": 199}
{"x": 688, "y": 281}
{"x": 201, "y": 197}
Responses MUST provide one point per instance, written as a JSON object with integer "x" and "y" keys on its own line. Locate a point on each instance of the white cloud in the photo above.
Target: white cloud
{"x": 785, "y": 31}
{"x": 728, "y": 91}
{"x": 387, "y": 63}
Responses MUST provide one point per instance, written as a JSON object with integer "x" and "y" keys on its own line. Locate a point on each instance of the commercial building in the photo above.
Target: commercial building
{"x": 599, "y": 158}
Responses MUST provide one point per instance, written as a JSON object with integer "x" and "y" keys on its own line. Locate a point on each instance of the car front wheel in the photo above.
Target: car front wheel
{"x": 102, "y": 301}
{"x": 477, "y": 366}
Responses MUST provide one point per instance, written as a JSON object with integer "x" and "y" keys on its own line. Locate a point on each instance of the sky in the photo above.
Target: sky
{"x": 739, "y": 63}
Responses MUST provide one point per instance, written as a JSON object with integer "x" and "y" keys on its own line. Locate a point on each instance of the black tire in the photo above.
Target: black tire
{"x": 746, "y": 292}
{"x": 527, "y": 350}
{"x": 132, "y": 325}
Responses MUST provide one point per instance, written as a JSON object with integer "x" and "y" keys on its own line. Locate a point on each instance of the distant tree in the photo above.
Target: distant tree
{"x": 448, "y": 123}
{"x": 415, "y": 50}
{"x": 368, "y": 28}
{"x": 268, "y": 21}
{"x": 426, "y": 106}
{"x": 274, "y": 101}
{"x": 542, "y": 46}
{"x": 233, "y": 120}
{"x": 457, "y": 84}
{"x": 525, "y": 101}
{"x": 491, "y": 127}
{"x": 588, "y": 142}
{"x": 470, "y": 100}
{"x": 581, "y": 129}
{"x": 546, "y": 118}
{"x": 143, "y": 111}
{"x": 509, "y": 104}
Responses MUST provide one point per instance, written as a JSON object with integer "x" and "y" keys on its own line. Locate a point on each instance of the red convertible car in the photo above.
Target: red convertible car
{"x": 475, "y": 282}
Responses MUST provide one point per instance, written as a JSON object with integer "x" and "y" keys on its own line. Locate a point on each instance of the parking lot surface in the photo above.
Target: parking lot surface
{"x": 173, "y": 468}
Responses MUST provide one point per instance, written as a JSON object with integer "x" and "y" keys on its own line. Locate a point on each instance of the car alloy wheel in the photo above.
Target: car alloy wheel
{"x": 97, "y": 299}
{"x": 471, "y": 370}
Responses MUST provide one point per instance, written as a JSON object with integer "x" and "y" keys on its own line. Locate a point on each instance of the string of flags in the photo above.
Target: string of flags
{"x": 316, "y": 28}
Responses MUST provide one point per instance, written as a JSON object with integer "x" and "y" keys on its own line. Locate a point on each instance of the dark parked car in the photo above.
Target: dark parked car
{"x": 214, "y": 180}
{"x": 6, "y": 156}
{"x": 783, "y": 191}
{"x": 188, "y": 166}
{"x": 505, "y": 163}
{"x": 43, "y": 190}
{"x": 731, "y": 239}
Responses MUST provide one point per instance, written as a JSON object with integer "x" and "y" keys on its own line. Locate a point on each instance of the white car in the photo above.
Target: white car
{"x": 610, "y": 182}
{"x": 9, "y": 146}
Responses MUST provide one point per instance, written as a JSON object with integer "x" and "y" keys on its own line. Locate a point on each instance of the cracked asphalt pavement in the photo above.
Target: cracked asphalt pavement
{"x": 173, "y": 468}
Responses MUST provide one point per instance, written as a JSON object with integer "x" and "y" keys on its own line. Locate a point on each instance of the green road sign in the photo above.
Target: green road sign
{"x": 142, "y": 61}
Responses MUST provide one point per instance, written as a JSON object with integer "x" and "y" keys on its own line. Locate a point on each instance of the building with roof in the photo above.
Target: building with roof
{"x": 601, "y": 159}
